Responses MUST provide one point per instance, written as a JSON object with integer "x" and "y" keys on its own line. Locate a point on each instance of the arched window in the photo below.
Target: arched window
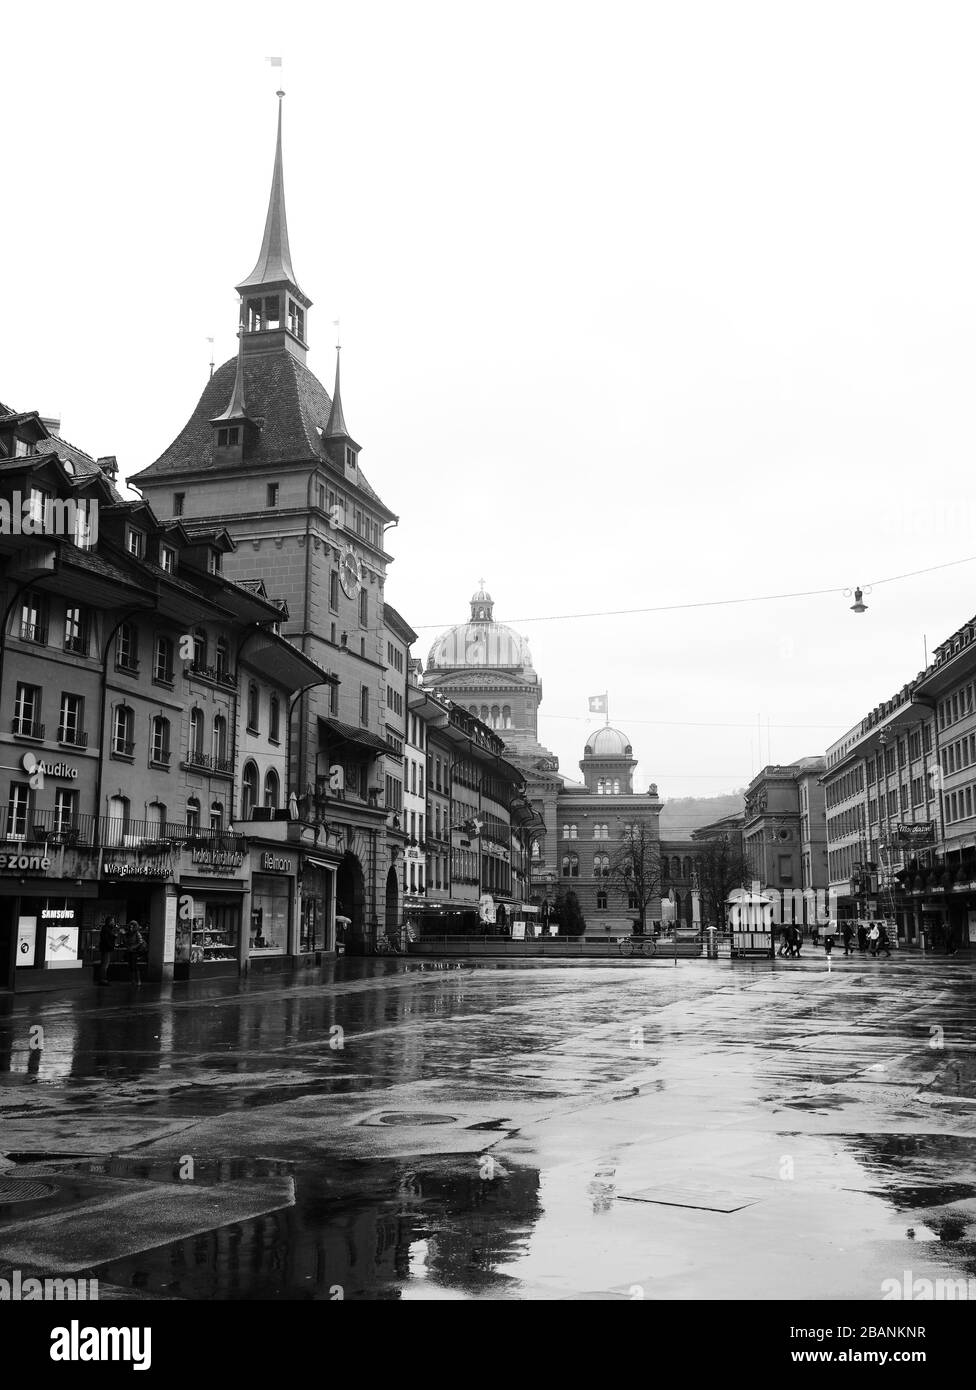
{"x": 220, "y": 656}
{"x": 252, "y": 708}
{"x": 193, "y": 815}
{"x": 686, "y": 866}
{"x": 601, "y": 832}
{"x": 570, "y": 866}
{"x": 127, "y": 648}
{"x": 496, "y": 715}
{"x": 123, "y": 723}
{"x": 473, "y": 709}
{"x": 536, "y": 850}
{"x": 616, "y": 786}
{"x": 601, "y": 866}
{"x": 271, "y": 791}
{"x": 506, "y": 716}
{"x": 118, "y": 820}
{"x": 219, "y": 740}
{"x": 601, "y": 902}
{"x": 675, "y": 867}
{"x": 249, "y": 790}
{"x": 199, "y": 647}
{"x": 599, "y": 787}
{"x": 565, "y": 832}
{"x": 163, "y": 660}
{"x": 574, "y": 832}
{"x": 216, "y": 818}
{"x": 196, "y": 734}
{"x": 159, "y": 741}
{"x": 274, "y": 719}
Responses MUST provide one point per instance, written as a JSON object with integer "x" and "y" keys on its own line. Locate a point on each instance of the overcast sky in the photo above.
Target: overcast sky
{"x": 641, "y": 304}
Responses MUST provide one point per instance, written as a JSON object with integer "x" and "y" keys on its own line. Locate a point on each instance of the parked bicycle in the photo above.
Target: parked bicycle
{"x": 389, "y": 945}
{"x": 637, "y": 946}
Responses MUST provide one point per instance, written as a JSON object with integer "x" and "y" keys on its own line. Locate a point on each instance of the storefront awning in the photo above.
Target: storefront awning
{"x": 317, "y": 863}
{"x": 334, "y": 731}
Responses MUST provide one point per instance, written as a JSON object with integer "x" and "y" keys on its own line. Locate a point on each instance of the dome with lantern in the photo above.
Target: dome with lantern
{"x": 608, "y": 743}
{"x": 481, "y": 641}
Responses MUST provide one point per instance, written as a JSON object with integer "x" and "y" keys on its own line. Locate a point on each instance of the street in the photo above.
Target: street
{"x": 390, "y": 1128}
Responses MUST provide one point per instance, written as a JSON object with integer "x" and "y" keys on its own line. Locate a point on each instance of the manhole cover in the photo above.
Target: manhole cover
{"x": 23, "y": 1190}
{"x": 413, "y": 1117}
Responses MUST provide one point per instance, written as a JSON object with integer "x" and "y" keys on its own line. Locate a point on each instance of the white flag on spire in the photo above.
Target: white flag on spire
{"x": 275, "y": 62}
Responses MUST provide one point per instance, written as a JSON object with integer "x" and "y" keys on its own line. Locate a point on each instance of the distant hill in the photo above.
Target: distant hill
{"x": 683, "y": 814}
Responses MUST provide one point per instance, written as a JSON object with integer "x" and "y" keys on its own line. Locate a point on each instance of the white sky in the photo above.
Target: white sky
{"x": 641, "y": 304}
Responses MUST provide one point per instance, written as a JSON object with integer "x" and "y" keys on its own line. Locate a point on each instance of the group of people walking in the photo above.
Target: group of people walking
{"x": 129, "y": 941}
{"x": 871, "y": 937}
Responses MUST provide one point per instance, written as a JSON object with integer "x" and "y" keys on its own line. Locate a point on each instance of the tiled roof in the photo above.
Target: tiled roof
{"x": 281, "y": 391}
{"x": 85, "y": 466}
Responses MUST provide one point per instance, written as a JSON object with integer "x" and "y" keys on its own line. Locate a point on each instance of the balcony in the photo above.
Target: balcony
{"x": 59, "y": 828}
{"x": 34, "y": 632}
{"x": 198, "y": 761}
{"x": 214, "y": 674}
{"x": 73, "y": 738}
{"x": 27, "y": 728}
{"x": 48, "y": 829}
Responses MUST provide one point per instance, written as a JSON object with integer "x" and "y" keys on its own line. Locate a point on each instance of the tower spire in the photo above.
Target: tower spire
{"x": 336, "y": 426}
{"x": 274, "y": 262}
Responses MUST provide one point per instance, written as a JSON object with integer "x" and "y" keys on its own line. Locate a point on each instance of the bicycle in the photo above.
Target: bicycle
{"x": 388, "y": 945}
{"x": 637, "y": 946}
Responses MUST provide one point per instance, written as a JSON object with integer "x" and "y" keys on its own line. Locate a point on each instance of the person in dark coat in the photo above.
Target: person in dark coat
{"x": 847, "y": 931}
{"x": 883, "y": 943}
{"x": 135, "y": 946}
{"x": 862, "y": 937}
{"x": 107, "y": 941}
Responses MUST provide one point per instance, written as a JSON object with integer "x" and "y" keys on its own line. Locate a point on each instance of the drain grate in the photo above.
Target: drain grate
{"x": 23, "y": 1190}
{"x": 414, "y": 1117}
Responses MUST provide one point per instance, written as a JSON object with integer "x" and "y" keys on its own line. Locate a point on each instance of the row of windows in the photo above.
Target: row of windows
{"x": 959, "y": 804}
{"x": 21, "y": 811}
{"x": 394, "y": 657}
{"x": 394, "y": 700}
{"x": 846, "y": 823}
{"x": 417, "y": 731}
{"x": 844, "y": 787}
{"x": 249, "y": 790}
{"x": 957, "y": 706}
{"x": 601, "y": 831}
{"x": 960, "y": 754}
{"x": 841, "y": 861}
{"x": 495, "y": 716}
{"x": 608, "y": 786}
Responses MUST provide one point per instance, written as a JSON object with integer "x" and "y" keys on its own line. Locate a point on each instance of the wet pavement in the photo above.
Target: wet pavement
{"x": 404, "y": 1129}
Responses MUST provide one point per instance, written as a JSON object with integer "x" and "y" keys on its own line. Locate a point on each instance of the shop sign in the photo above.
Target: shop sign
{"x": 157, "y": 866}
{"x": 26, "y": 938}
{"x": 32, "y": 764}
{"x": 33, "y": 863}
{"x": 220, "y": 860}
{"x": 414, "y": 855}
{"x": 922, "y": 833}
{"x": 277, "y": 863}
{"x": 964, "y": 887}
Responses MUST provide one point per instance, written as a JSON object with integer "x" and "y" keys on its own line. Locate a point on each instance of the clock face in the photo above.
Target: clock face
{"x": 350, "y": 574}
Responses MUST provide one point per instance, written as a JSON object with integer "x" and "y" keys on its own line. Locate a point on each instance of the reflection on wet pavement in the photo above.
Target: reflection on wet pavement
{"x": 397, "y": 1129}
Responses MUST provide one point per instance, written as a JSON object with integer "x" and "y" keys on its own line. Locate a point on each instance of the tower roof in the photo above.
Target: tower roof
{"x": 336, "y": 425}
{"x": 236, "y": 410}
{"x": 274, "y": 262}
{"x": 608, "y": 743}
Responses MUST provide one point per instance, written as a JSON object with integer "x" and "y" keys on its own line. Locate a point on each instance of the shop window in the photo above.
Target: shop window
{"x": 270, "y": 899}
{"x": 271, "y": 789}
{"x": 249, "y": 790}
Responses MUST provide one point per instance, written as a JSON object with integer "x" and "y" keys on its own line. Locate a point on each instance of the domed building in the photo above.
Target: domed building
{"x": 487, "y": 668}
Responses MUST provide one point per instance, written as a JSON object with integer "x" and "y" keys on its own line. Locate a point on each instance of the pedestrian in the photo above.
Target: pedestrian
{"x": 862, "y": 937}
{"x": 135, "y": 945}
{"x": 815, "y": 934}
{"x": 796, "y": 941}
{"x": 828, "y": 944}
{"x": 848, "y": 933}
{"x": 950, "y": 943}
{"x": 874, "y": 936}
{"x": 107, "y": 941}
{"x": 785, "y": 945}
{"x": 883, "y": 942}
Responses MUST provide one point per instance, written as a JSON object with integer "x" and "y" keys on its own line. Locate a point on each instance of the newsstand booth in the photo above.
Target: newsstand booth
{"x": 750, "y": 918}
{"x": 42, "y": 898}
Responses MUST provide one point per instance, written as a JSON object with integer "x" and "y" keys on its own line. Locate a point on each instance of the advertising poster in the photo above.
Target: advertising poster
{"x": 26, "y": 940}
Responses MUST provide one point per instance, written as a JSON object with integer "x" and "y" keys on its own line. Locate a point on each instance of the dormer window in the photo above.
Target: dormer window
{"x": 167, "y": 558}
{"x": 22, "y": 449}
{"x": 228, "y": 438}
{"x": 213, "y": 561}
{"x": 350, "y": 457}
{"x": 135, "y": 542}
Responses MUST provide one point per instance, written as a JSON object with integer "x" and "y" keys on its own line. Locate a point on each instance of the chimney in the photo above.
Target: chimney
{"x": 52, "y": 425}
{"x": 109, "y": 466}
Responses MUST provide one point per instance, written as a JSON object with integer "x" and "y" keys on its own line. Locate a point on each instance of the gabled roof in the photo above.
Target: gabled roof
{"x": 285, "y": 400}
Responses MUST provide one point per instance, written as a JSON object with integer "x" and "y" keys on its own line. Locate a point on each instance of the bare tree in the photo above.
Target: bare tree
{"x": 721, "y": 866}
{"x": 635, "y": 869}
